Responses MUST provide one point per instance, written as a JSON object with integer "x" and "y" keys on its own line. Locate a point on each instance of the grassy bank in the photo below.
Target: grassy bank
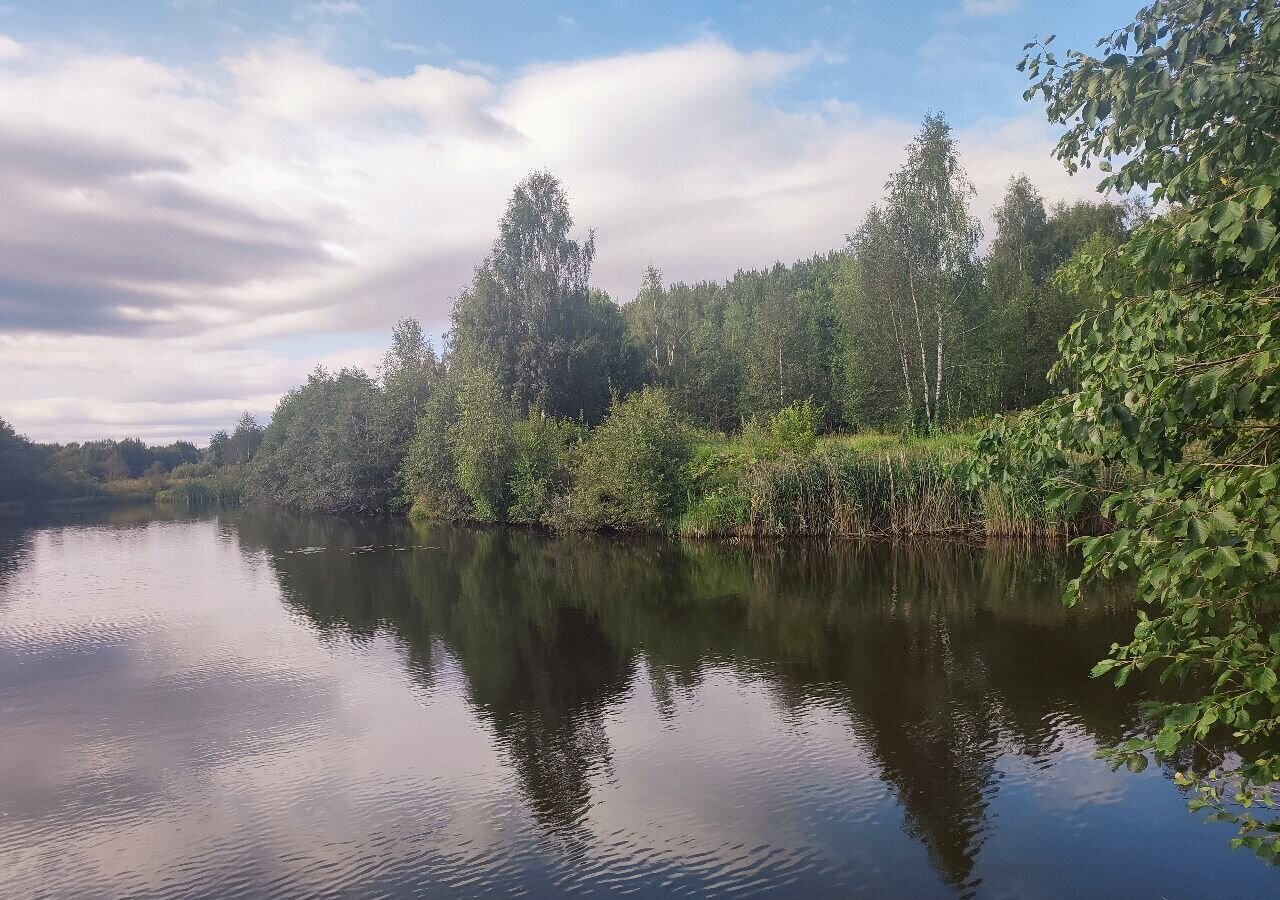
{"x": 222, "y": 488}
{"x": 865, "y": 485}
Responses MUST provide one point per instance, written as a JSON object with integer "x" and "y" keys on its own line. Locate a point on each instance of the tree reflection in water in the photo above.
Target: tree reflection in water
{"x": 943, "y": 657}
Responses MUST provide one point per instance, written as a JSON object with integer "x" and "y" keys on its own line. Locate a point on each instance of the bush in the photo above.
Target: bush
{"x": 544, "y": 450}
{"x": 428, "y": 473}
{"x": 325, "y": 449}
{"x": 483, "y": 445}
{"x": 632, "y": 471}
{"x": 794, "y": 428}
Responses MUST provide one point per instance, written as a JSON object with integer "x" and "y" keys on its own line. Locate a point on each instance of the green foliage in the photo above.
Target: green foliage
{"x": 428, "y": 473}
{"x": 866, "y": 485}
{"x": 218, "y": 490}
{"x": 1041, "y": 275}
{"x": 237, "y": 448}
{"x": 794, "y": 428}
{"x": 483, "y": 444}
{"x": 324, "y": 450}
{"x": 1177, "y": 381}
{"x": 471, "y": 459}
{"x": 543, "y": 471}
{"x": 632, "y": 469}
{"x": 1184, "y": 96}
{"x": 530, "y": 316}
{"x": 89, "y": 471}
{"x": 24, "y": 469}
{"x": 337, "y": 443}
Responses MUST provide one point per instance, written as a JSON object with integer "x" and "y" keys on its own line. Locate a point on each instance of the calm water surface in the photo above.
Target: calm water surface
{"x": 256, "y": 704}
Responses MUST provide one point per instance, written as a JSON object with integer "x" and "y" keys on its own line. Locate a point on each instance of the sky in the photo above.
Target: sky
{"x": 204, "y": 199}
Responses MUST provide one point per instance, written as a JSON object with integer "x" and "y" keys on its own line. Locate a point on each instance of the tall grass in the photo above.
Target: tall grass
{"x": 862, "y": 486}
{"x": 202, "y": 493}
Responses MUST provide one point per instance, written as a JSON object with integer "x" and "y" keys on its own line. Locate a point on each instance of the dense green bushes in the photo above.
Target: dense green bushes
{"x": 336, "y": 443}
{"x": 486, "y": 465}
{"x": 645, "y": 469}
{"x": 483, "y": 445}
{"x": 545, "y": 450}
{"x": 632, "y": 471}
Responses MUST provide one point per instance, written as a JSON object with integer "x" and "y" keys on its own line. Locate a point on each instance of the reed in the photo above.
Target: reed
{"x": 875, "y": 487}
{"x": 202, "y": 493}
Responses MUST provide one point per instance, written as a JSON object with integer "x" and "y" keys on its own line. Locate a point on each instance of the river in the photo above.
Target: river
{"x": 257, "y": 704}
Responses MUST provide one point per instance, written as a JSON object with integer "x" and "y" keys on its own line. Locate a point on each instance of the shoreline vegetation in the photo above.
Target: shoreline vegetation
{"x": 838, "y": 396}
{"x": 748, "y": 486}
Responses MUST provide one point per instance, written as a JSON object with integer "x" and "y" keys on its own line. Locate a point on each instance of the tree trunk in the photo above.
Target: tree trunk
{"x": 780, "y": 396}
{"x": 924, "y": 356}
{"x": 901, "y": 341}
{"x": 937, "y": 377}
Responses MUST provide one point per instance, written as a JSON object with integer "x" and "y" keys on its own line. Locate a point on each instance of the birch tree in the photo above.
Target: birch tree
{"x": 931, "y": 249}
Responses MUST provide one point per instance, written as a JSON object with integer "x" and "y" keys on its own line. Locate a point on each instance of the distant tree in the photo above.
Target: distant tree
{"x": 219, "y": 452}
{"x": 243, "y": 443}
{"x": 528, "y": 315}
{"x": 1031, "y": 310}
{"x": 687, "y": 351}
{"x": 23, "y": 467}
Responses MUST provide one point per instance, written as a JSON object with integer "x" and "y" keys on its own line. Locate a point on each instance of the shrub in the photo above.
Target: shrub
{"x": 632, "y": 471}
{"x": 794, "y": 428}
{"x": 543, "y": 466}
{"x": 483, "y": 446}
{"x": 324, "y": 450}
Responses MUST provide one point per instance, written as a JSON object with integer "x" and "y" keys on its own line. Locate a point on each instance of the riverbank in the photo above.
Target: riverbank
{"x": 751, "y": 486}
{"x": 866, "y": 485}
{"x": 735, "y": 487}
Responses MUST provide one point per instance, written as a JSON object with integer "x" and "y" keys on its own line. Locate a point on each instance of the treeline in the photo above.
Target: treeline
{"x": 906, "y": 328}
{"x": 32, "y": 472}
{"x": 550, "y": 403}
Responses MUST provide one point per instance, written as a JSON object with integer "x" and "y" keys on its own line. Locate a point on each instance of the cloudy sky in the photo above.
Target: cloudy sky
{"x": 203, "y": 199}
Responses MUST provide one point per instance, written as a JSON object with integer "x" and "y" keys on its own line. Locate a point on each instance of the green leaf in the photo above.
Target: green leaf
{"x": 1198, "y": 531}
{"x": 1223, "y": 519}
{"x": 1167, "y": 741}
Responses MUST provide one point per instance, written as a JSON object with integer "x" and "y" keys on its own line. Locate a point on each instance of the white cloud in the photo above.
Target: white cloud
{"x": 164, "y": 227}
{"x": 567, "y": 22}
{"x": 990, "y": 7}
{"x": 435, "y": 49}
{"x": 9, "y": 48}
{"x": 335, "y": 8}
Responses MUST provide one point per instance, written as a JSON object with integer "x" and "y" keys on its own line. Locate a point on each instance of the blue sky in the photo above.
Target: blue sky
{"x": 205, "y": 198}
{"x": 901, "y": 59}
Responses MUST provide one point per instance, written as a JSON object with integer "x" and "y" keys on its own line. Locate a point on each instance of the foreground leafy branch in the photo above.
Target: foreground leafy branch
{"x": 1177, "y": 383}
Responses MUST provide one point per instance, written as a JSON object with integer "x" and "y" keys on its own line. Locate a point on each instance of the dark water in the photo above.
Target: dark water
{"x": 261, "y": 705}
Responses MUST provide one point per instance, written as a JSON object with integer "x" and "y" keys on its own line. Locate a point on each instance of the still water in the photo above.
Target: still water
{"x": 255, "y": 704}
